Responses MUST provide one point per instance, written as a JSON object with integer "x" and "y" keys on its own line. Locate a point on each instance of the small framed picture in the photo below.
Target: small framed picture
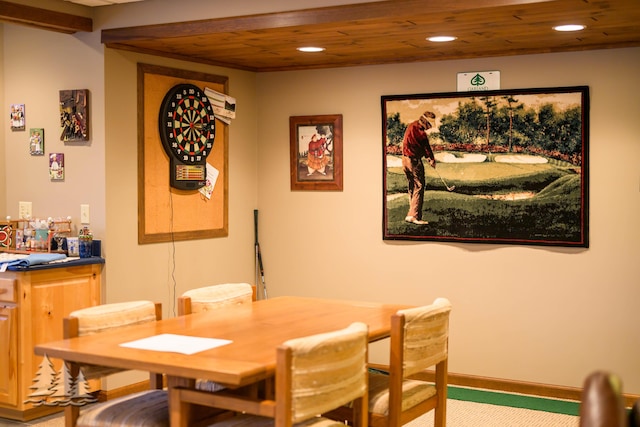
{"x": 36, "y": 141}
{"x": 316, "y": 152}
{"x": 56, "y": 166}
{"x": 74, "y": 115}
{"x": 16, "y": 116}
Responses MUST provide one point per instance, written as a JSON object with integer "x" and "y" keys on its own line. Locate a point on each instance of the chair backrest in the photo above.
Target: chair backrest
{"x": 419, "y": 340}
{"x": 321, "y": 372}
{"x": 107, "y": 317}
{"x": 423, "y": 333}
{"x": 212, "y": 297}
{"x": 102, "y": 318}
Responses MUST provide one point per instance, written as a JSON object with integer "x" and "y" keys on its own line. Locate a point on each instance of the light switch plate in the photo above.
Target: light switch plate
{"x": 84, "y": 214}
{"x": 25, "y": 210}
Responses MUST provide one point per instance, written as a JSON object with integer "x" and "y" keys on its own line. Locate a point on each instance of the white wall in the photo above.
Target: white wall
{"x": 3, "y": 125}
{"x": 152, "y": 12}
{"x": 38, "y": 64}
{"x": 540, "y": 314}
{"x": 548, "y": 315}
{"x": 163, "y": 270}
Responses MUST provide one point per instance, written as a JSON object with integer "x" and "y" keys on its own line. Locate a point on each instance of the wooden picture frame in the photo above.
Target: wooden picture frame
{"x": 511, "y": 167}
{"x": 318, "y": 168}
{"x": 56, "y": 166}
{"x": 165, "y": 213}
{"x": 36, "y": 141}
{"x": 17, "y": 117}
{"x": 74, "y": 115}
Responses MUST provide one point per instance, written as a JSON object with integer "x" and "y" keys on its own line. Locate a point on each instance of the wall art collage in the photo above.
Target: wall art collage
{"x": 74, "y": 127}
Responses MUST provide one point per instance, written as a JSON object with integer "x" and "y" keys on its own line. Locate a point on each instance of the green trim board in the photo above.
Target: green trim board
{"x": 514, "y": 400}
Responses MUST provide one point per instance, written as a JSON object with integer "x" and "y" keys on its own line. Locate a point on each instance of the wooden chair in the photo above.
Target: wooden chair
{"x": 150, "y": 406}
{"x": 419, "y": 340}
{"x": 211, "y": 297}
{"x": 314, "y": 374}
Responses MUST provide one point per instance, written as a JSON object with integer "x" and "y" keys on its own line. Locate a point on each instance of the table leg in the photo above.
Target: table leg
{"x": 183, "y": 414}
{"x": 180, "y": 415}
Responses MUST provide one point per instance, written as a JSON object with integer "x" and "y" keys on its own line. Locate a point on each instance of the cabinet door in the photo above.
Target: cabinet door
{"x": 51, "y": 296}
{"x": 8, "y": 355}
{"x": 53, "y": 300}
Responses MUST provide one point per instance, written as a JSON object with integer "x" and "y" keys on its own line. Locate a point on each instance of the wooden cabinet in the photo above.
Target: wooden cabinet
{"x": 33, "y": 303}
{"x": 8, "y": 355}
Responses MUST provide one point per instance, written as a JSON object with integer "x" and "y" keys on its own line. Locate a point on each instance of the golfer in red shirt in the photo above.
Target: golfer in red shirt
{"x": 415, "y": 146}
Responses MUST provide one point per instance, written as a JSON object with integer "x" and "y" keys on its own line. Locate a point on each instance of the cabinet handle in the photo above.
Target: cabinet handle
{"x": 3, "y": 291}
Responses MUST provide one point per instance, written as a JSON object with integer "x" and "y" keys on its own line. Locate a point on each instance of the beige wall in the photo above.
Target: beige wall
{"x": 38, "y": 64}
{"x": 163, "y": 270}
{"x": 548, "y": 315}
{"x": 3, "y": 125}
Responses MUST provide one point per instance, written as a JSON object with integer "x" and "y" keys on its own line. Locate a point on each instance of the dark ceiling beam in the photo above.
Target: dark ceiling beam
{"x": 316, "y": 16}
{"x": 44, "y": 19}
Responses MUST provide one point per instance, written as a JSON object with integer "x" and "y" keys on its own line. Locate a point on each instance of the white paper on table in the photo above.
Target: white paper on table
{"x": 176, "y": 343}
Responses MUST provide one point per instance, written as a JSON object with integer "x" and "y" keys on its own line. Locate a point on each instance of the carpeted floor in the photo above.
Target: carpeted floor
{"x": 465, "y": 408}
{"x": 472, "y": 414}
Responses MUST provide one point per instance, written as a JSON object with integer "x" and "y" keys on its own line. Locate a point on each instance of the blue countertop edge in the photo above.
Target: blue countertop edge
{"x": 70, "y": 263}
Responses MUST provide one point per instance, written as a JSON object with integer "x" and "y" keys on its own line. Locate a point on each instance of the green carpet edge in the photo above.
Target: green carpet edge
{"x": 514, "y": 400}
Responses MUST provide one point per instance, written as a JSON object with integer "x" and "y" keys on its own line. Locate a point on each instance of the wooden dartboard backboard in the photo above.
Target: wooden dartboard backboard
{"x": 165, "y": 213}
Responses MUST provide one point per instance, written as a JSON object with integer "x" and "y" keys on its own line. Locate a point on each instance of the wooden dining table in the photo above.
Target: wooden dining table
{"x": 254, "y": 331}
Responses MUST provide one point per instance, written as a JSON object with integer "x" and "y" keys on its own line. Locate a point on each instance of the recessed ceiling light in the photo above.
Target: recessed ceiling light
{"x": 310, "y": 49}
{"x": 570, "y": 27}
{"x": 440, "y": 39}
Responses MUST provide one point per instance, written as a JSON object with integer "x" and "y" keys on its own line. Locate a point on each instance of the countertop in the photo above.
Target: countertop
{"x": 66, "y": 262}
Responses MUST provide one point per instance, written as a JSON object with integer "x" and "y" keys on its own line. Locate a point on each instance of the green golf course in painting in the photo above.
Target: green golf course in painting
{"x": 515, "y": 198}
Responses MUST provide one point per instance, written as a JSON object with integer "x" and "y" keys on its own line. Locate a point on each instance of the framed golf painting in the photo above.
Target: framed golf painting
{"x": 495, "y": 167}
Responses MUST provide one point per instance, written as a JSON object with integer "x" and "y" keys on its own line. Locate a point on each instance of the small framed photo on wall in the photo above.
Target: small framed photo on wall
{"x": 74, "y": 115}
{"x": 17, "y": 117}
{"x": 56, "y": 166}
{"x": 316, "y": 152}
{"x": 36, "y": 141}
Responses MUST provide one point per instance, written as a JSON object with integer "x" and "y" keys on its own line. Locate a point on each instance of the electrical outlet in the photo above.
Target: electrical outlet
{"x": 25, "y": 210}
{"x": 84, "y": 214}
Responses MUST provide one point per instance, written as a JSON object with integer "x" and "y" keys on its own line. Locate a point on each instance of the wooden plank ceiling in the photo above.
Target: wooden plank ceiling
{"x": 392, "y": 31}
{"x": 388, "y": 32}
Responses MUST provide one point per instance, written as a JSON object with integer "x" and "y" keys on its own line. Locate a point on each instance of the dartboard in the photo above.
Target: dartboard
{"x": 187, "y": 130}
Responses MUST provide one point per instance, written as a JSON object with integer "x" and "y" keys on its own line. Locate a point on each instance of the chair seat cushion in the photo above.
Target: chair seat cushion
{"x": 413, "y": 392}
{"x": 144, "y": 409}
{"x": 244, "y": 420}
